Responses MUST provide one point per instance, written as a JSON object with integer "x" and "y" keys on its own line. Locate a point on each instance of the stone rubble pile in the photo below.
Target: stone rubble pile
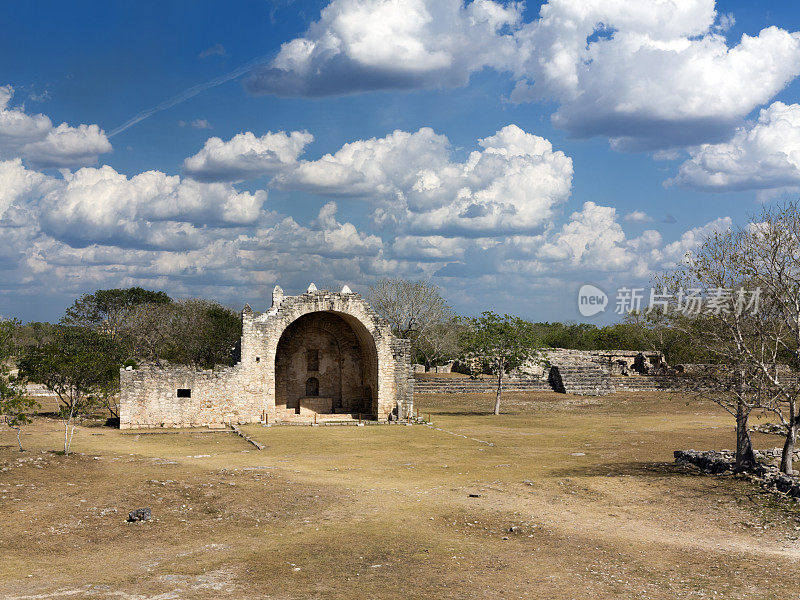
{"x": 774, "y": 455}
{"x": 769, "y": 428}
{"x": 723, "y": 463}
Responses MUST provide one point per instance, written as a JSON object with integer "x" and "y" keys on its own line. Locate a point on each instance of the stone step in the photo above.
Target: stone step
{"x": 581, "y": 380}
{"x": 429, "y": 385}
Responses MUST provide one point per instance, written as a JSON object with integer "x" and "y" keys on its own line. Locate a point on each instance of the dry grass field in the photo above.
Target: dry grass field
{"x": 561, "y": 497}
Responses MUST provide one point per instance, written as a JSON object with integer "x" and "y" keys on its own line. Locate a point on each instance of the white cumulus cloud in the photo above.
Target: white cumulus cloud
{"x": 764, "y": 154}
{"x": 592, "y": 238}
{"x": 362, "y": 45}
{"x": 246, "y": 156}
{"x": 513, "y": 184}
{"x": 150, "y": 209}
{"x": 18, "y": 184}
{"x": 649, "y": 75}
{"x": 34, "y": 138}
{"x": 638, "y": 216}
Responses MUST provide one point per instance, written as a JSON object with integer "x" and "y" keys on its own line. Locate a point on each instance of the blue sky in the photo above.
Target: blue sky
{"x": 615, "y": 136}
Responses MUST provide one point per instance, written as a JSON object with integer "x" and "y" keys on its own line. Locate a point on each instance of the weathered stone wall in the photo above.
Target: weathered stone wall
{"x": 650, "y": 383}
{"x": 403, "y": 377}
{"x": 263, "y": 332}
{"x": 609, "y": 359}
{"x": 613, "y": 362}
{"x": 427, "y": 384}
{"x": 362, "y": 368}
{"x": 149, "y": 397}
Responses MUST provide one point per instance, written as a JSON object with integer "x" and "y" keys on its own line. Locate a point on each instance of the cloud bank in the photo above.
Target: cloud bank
{"x": 496, "y": 216}
{"x": 246, "y": 156}
{"x": 648, "y": 75}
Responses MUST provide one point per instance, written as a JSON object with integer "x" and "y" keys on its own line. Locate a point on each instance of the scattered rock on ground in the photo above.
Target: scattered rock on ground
{"x": 140, "y": 514}
{"x": 723, "y": 463}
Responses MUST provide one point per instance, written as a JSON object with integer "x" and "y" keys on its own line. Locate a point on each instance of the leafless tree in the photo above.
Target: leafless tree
{"x": 724, "y": 333}
{"x": 409, "y": 306}
{"x": 439, "y": 342}
{"x": 769, "y": 258}
{"x": 753, "y": 329}
{"x": 147, "y": 329}
{"x": 416, "y": 311}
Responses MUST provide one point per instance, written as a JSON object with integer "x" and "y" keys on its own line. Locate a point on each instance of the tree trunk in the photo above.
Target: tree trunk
{"x": 66, "y": 435}
{"x": 19, "y": 441}
{"x": 499, "y": 390}
{"x": 745, "y": 457}
{"x": 788, "y": 446}
{"x": 71, "y": 433}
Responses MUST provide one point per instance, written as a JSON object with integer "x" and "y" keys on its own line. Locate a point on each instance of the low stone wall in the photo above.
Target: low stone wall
{"x": 649, "y": 383}
{"x": 579, "y": 372}
{"x": 613, "y": 361}
{"x": 149, "y": 397}
{"x": 37, "y": 390}
{"x": 426, "y": 384}
{"x": 723, "y": 463}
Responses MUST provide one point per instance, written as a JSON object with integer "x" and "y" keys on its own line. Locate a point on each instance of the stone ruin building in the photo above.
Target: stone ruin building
{"x": 318, "y": 356}
{"x": 581, "y": 372}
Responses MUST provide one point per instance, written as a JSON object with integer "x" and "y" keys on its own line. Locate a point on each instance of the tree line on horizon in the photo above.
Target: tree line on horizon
{"x": 79, "y": 357}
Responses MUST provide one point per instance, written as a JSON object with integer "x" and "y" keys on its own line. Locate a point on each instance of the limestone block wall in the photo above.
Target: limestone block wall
{"x": 386, "y": 362}
{"x": 149, "y": 397}
{"x": 403, "y": 377}
{"x": 322, "y": 348}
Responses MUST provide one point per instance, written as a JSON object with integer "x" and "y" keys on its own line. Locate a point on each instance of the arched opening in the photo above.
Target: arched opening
{"x": 325, "y": 363}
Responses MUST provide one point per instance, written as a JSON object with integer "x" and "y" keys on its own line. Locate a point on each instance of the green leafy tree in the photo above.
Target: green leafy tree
{"x": 498, "y": 344}
{"x": 32, "y": 334}
{"x": 192, "y": 332}
{"x": 656, "y": 330}
{"x": 108, "y": 310}
{"x": 218, "y": 333}
{"x": 15, "y": 405}
{"x": 81, "y": 367}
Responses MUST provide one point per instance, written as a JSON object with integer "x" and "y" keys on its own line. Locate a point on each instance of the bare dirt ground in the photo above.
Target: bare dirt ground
{"x": 561, "y": 497}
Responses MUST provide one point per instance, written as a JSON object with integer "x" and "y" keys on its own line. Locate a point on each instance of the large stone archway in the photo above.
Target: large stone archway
{"x": 325, "y": 365}
{"x": 336, "y": 322}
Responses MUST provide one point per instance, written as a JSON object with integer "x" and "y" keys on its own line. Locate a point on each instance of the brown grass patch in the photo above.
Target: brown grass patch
{"x": 559, "y": 497}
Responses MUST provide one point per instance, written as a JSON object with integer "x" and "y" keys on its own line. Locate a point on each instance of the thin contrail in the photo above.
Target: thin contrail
{"x": 190, "y": 93}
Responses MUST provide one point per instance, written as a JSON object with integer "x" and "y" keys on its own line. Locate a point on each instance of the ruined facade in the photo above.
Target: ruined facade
{"x": 313, "y": 357}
